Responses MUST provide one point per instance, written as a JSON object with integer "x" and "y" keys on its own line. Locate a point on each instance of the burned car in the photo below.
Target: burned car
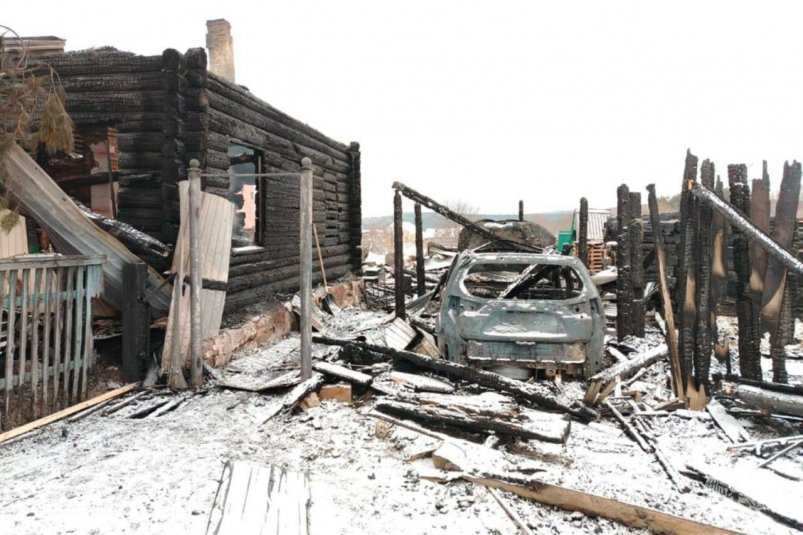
{"x": 521, "y": 314}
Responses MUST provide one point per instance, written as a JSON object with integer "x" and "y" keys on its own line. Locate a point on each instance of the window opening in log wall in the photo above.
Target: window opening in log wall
{"x": 243, "y": 192}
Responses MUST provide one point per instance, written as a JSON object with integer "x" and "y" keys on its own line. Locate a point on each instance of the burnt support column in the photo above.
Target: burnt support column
{"x": 719, "y": 277}
{"x": 419, "y": 252}
{"x": 703, "y": 342}
{"x": 749, "y": 365}
{"x": 398, "y": 255}
{"x": 355, "y": 207}
{"x": 582, "y": 232}
{"x": 686, "y": 275}
{"x": 636, "y": 236}
{"x": 624, "y": 287}
{"x": 136, "y": 322}
{"x": 760, "y": 217}
{"x": 776, "y": 297}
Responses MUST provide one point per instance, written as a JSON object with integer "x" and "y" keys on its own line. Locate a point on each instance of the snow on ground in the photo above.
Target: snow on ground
{"x": 111, "y": 474}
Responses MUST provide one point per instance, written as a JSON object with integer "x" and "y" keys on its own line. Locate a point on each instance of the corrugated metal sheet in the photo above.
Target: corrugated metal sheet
{"x": 596, "y": 223}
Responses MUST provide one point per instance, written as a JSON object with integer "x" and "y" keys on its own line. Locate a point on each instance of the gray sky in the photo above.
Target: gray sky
{"x": 491, "y": 102}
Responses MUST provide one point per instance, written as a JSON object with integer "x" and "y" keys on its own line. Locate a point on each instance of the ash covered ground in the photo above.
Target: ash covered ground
{"x": 113, "y": 474}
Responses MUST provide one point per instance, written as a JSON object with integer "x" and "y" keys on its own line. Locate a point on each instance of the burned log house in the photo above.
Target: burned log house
{"x": 156, "y": 113}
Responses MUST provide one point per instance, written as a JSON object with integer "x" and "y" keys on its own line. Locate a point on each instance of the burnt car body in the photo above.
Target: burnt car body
{"x": 516, "y": 312}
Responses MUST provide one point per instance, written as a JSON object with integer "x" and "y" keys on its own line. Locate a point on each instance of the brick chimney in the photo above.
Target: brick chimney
{"x": 221, "y": 48}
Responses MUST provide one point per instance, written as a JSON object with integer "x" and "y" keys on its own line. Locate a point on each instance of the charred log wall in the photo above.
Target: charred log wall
{"x": 235, "y": 115}
{"x": 168, "y": 110}
{"x": 110, "y": 88}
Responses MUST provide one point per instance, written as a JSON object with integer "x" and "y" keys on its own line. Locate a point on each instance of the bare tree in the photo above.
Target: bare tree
{"x": 32, "y": 112}
{"x": 460, "y": 206}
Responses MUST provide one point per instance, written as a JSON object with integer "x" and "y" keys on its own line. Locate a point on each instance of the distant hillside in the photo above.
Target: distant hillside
{"x": 552, "y": 221}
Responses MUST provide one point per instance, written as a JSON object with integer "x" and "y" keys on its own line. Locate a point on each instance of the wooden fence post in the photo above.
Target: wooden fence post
{"x": 582, "y": 232}
{"x": 196, "y": 370}
{"x": 419, "y": 252}
{"x": 136, "y": 321}
{"x": 635, "y": 233}
{"x": 398, "y": 255}
{"x": 624, "y": 289}
{"x": 305, "y": 291}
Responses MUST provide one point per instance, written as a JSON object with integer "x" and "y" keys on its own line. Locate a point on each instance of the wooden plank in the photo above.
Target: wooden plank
{"x": 730, "y": 425}
{"x": 216, "y": 217}
{"x": 421, "y": 383}
{"x": 78, "y": 336}
{"x": 399, "y": 334}
{"x": 341, "y": 372}
{"x": 602, "y": 381}
{"x": 68, "y": 328}
{"x": 338, "y": 392}
{"x": 775, "y": 496}
{"x": 35, "y": 297}
{"x": 57, "y": 334}
{"x": 49, "y": 297}
{"x": 678, "y": 382}
{"x": 260, "y": 500}
{"x": 625, "y": 513}
{"x": 260, "y": 382}
{"x": 12, "y": 286}
{"x": 66, "y": 412}
{"x": 14, "y": 241}
{"x": 23, "y": 340}
{"x": 89, "y": 340}
{"x": 70, "y": 231}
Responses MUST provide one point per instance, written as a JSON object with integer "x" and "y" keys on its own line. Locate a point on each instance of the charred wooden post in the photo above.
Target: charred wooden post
{"x": 305, "y": 277}
{"x": 749, "y": 364}
{"x": 760, "y": 217}
{"x": 636, "y": 236}
{"x": 521, "y": 210}
{"x": 446, "y": 212}
{"x": 136, "y": 321}
{"x": 793, "y": 284}
{"x": 398, "y": 255}
{"x": 702, "y": 347}
{"x": 196, "y": 370}
{"x": 775, "y": 281}
{"x": 686, "y": 276}
{"x": 355, "y": 208}
{"x": 678, "y": 381}
{"x": 582, "y": 232}
{"x": 624, "y": 283}
{"x": 719, "y": 275}
{"x": 419, "y": 252}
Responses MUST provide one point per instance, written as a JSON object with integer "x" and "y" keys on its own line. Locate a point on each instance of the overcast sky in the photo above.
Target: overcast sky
{"x": 491, "y": 102}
